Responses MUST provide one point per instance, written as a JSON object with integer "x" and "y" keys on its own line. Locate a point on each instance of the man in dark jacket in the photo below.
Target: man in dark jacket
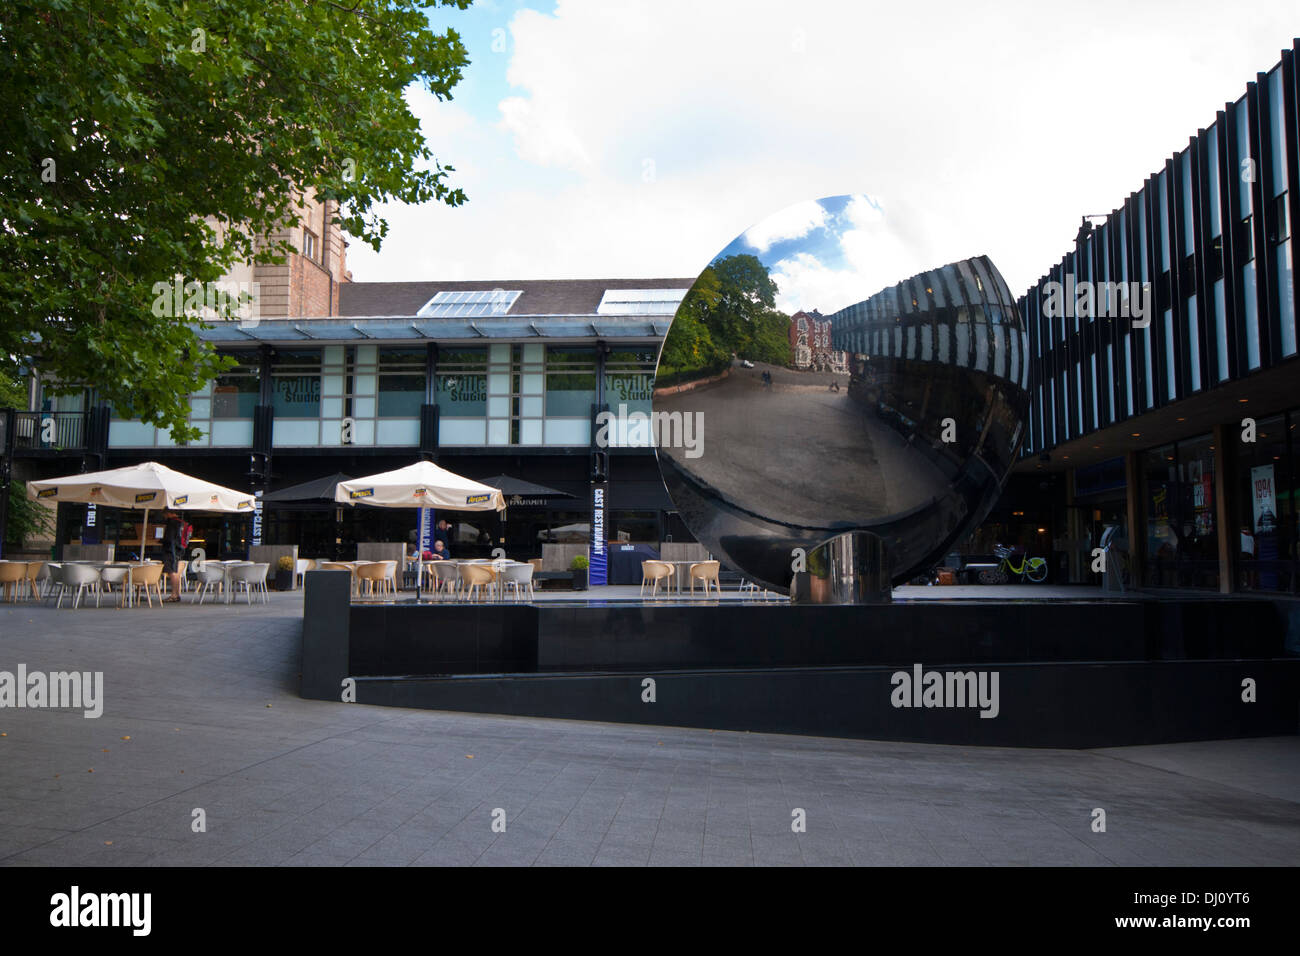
{"x": 171, "y": 549}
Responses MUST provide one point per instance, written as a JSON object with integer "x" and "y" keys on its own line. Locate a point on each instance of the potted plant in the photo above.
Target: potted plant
{"x": 579, "y": 566}
{"x": 284, "y": 573}
{"x": 819, "y": 581}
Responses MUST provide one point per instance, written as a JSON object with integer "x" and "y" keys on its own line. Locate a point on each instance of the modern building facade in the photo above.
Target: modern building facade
{"x": 486, "y": 378}
{"x": 1162, "y": 366}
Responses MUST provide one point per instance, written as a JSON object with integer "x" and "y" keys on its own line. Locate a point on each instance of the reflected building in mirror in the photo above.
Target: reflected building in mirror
{"x": 911, "y": 446}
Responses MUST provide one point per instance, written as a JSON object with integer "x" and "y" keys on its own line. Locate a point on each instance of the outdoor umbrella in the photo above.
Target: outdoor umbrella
{"x": 518, "y": 488}
{"x": 147, "y": 485}
{"x": 421, "y": 485}
{"x": 309, "y": 492}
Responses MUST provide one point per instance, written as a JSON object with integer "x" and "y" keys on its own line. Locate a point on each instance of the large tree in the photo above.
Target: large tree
{"x": 729, "y": 310}
{"x": 131, "y": 126}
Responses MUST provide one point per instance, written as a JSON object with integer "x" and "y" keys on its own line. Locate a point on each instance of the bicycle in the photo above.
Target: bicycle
{"x": 1035, "y": 569}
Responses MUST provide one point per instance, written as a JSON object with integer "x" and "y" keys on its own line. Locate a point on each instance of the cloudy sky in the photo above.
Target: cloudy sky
{"x": 617, "y": 138}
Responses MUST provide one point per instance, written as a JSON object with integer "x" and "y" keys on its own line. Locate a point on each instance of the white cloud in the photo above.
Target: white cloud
{"x": 793, "y": 222}
{"x": 874, "y": 254}
{"x": 642, "y": 137}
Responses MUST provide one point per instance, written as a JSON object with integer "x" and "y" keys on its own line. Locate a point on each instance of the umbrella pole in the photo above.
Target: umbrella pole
{"x": 144, "y": 534}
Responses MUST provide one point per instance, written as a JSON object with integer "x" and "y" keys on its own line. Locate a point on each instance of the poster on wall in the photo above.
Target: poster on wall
{"x": 1263, "y": 502}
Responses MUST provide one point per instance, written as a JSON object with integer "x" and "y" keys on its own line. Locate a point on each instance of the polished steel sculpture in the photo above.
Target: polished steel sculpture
{"x": 834, "y": 487}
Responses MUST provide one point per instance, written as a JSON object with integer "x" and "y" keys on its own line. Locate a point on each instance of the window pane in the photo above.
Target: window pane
{"x": 570, "y": 382}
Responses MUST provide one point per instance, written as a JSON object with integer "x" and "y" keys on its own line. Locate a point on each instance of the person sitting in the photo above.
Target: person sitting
{"x": 440, "y": 551}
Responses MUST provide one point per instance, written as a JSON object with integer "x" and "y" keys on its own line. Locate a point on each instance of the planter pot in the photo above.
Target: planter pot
{"x": 283, "y": 580}
{"x": 580, "y": 580}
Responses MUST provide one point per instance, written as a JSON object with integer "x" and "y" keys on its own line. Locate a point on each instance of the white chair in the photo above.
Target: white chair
{"x": 390, "y": 577}
{"x": 78, "y": 578}
{"x": 300, "y": 569}
{"x": 518, "y": 578}
{"x": 53, "y": 580}
{"x": 210, "y": 577}
{"x": 445, "y": 577}
{"x": 114, "y": 575}
{"x": 249, "y": 578}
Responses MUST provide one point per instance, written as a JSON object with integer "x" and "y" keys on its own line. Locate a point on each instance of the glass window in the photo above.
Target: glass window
{"x": 1250, "y": 312}
{"x": 235, "y": 393}
{"x": 295, "y": 384}
{"x": 1171, "y": 357}
{"x": 401, "y": 382}
{"x": 1193, "y": 343}
{"x": 1286, "y": 296}
{"x": 1212, "y": 199}
{"x": 461, "y": 390}
{"x": 1265, "y": 507}
{"x": 1162, "y": 195}
{"x": 629, "y": 379}
{"x": 1276, "y": 133}
{"x": 570, "y": 382}
{"x": 1243, "y": 161}
{"x": 1221, "y": 330}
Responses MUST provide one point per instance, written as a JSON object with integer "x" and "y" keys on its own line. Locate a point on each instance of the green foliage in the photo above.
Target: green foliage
{"x": 132, "y": 128}
{"x": 27, "y": 518}
{"x": 284, "y": 563}
{"x": 730, "y": 309}
{"x": 13, "y": 393}
{"x": 579, "y": 563}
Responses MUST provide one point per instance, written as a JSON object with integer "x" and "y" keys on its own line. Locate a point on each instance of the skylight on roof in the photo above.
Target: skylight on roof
{"x": 640, "y": 301}
{"x": 464, "y": 304}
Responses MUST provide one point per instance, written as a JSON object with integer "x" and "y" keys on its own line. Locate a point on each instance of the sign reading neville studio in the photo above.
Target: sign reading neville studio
{"x": 596, "y": 549}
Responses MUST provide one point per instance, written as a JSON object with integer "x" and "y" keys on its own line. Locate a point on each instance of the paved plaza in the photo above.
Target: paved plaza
{"x": 201, "y": 713}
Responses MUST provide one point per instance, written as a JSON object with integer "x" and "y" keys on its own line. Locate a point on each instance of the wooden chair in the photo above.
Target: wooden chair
{"x": 147, "y": 578}
{"x": 36, "y": 573}
{"x": 706, "y": 571}
{"x": 654, "y": 572}
{"x": 13, "y": 577}
{"x": 474, "y": 576}
{"x": 369, "y": 575}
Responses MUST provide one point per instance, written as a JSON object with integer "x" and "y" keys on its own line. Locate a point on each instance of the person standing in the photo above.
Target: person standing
{"x": 171, "y": 549}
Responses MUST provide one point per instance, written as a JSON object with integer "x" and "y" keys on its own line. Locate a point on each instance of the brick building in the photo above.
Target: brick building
{"x": 810, "y": 344}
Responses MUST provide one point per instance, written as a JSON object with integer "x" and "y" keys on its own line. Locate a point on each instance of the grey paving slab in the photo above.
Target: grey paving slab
{"x": 201, "y": 712}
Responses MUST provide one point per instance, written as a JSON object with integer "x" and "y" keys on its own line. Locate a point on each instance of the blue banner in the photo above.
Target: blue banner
{"x": 90, "y": 527}
{"x": 596, "y": 550}
{"x": 426, "y": 530}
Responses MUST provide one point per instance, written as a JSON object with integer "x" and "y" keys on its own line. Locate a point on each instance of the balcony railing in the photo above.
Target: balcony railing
{"x": 49, "y": 431}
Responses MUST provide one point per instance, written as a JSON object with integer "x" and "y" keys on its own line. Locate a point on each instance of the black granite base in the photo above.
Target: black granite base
{"x": 1069, "y": 674}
